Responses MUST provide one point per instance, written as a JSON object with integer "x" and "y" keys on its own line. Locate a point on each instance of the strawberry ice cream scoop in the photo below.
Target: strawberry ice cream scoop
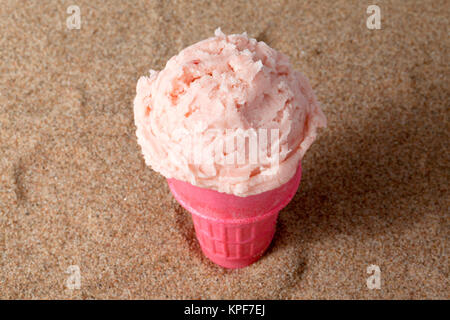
{"x": 209, "y": 94}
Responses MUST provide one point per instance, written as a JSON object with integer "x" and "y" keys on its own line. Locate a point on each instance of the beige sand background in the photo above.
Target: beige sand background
{"x": 74, "y": 189}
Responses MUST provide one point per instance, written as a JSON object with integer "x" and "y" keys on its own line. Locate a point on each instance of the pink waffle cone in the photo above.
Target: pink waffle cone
{"x": 234, "y": 231}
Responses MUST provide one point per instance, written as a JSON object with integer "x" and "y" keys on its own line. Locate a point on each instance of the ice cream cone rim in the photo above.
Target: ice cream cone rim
{"x": 242, "y": 221}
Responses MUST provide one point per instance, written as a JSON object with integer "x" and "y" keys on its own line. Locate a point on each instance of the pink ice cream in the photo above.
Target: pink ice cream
{"x": 212, "y": 91}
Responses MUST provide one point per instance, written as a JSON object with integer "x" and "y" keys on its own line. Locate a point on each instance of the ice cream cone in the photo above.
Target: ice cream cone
{"x": 234, "y": 231}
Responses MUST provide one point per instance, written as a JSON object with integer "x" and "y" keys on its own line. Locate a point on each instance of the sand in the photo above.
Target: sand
{"x": 74, "y": 189}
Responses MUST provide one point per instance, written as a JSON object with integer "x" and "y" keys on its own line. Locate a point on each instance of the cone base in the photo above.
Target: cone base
{"x": 232, "y": 244}
{"x": 233, "y": 264}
